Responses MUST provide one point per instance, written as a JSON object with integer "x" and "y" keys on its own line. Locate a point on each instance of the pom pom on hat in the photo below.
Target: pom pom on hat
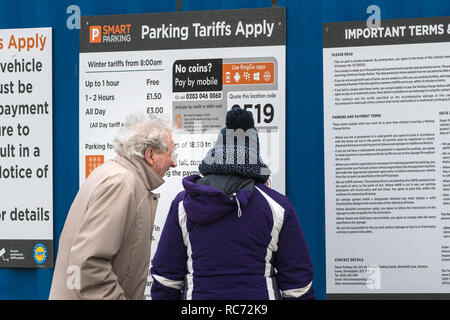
{"x": 238, "y": 118}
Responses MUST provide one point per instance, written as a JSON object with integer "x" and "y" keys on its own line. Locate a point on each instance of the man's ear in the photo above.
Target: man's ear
{"x": 149, "y": 156}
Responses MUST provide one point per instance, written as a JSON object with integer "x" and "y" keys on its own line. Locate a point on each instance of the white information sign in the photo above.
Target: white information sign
{"x": 26, "y": 148}
{"x": 187, "y": 68}
{"x": 387, "y": 187}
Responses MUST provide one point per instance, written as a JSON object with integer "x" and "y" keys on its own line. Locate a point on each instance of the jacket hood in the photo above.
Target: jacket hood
{"x": 205, "y": 204}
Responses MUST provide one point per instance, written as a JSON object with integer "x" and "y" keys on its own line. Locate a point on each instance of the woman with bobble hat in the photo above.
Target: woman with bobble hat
{"x": 227, "y": 235}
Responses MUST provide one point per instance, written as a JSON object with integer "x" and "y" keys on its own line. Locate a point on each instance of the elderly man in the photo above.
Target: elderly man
{"x": 104, "y": 249}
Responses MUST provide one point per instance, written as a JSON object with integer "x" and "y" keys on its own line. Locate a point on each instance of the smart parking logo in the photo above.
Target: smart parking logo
{"x": 40, "y": 253}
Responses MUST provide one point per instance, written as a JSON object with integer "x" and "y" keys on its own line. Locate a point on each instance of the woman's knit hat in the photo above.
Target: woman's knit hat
{"x": 236, "y": 151}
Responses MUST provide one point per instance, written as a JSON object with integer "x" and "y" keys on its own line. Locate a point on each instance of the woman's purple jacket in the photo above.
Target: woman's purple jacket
{"x": 249, "y": 246}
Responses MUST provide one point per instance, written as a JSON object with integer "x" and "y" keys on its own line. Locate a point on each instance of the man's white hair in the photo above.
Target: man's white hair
{"x": 141, "y": 132}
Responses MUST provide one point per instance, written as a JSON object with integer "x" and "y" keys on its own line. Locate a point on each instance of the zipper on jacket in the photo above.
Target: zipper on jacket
{"x": 239, "y": 205}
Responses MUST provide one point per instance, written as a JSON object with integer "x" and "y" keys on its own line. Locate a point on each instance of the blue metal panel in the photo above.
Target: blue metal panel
{"x": 305, "y": 172}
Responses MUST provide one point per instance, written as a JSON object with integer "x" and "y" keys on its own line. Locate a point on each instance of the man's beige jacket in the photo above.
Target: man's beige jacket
{"x": 104, "y": 248}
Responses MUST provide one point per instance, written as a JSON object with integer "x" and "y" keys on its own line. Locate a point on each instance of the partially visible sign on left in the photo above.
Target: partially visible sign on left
{"x": 26, "y": 148}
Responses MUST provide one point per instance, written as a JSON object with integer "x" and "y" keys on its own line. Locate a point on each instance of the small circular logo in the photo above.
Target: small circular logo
{"x": 40, "y": 253}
